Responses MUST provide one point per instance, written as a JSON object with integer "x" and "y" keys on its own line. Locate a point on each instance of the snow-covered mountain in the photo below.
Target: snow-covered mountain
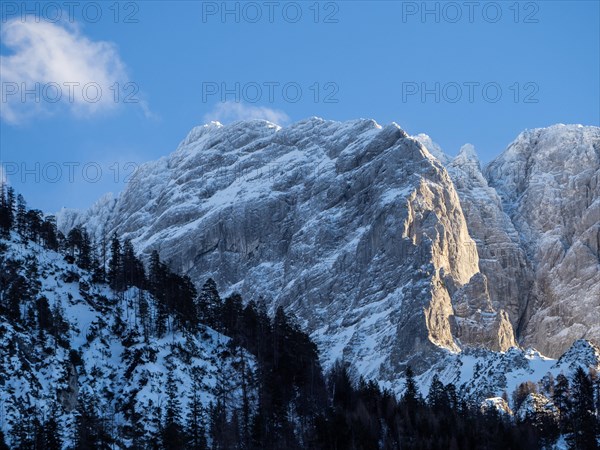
{"x": 387, "y": 250}
{"x": 355, "y": 228}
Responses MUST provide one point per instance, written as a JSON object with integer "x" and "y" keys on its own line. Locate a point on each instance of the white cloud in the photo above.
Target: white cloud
{"x": 44, "y": 59}
{"x": 233, "y": 111}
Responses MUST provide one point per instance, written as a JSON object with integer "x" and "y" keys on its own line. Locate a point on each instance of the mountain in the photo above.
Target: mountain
{"x": 355, "y": 228}
{"x": 391, "y": 254}
{"x": 384, "y": 247}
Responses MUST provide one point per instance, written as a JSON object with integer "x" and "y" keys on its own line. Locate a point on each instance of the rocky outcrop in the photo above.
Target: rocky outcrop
{"x": 476, "y": 322}
{"x": 501, "y": 258}
{"x": 496, "y": 405}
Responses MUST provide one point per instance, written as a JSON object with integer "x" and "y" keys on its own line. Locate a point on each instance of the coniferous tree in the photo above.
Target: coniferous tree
{"x": 61, "y": 326}
{"x": 49, "y": 233}
{"x": 411, "y": 394}
{"x": 133, "y": 269}
{"x": 23, "y": 429}
{"x": 38, "y": 433}
{"x": 17, "y": 293}
{"x": 437, "y": 397}
{"x": 103, "y": 254}
{"x": 115, "y": 268}
{"x": 129, "y": 262}
{"x": 195, "y": 417}
{"x": 231, "y": 314}
{"x": 97, "y": 267}
{"x": 7, "y": 207}
{"x": 217, "y": 425}
{"x": 86, "y": 434}
{"x": 33, "y": 219}
{"x": 73, "y": 243}
{"x": 172, "y": 434}
{"x": 21, "y": 216}
{"x": 157, "y": 286}
{"x": 80, "y": 247}
{"x": 84, "y": 259}
{"x": 452, "y": 396}
{"x": 9, "y": 301}
{"x": 157, "y": 277}
{"x": 583, "y": 436}
{"x": 180, "y": 300}
{"x": 3, "y": 445}
{"x": 143, "y": 314}
{"x": 44, "y": 315}
{"x": 52, "y": 440}
{"x": 340, "y": 385}
{"x": 3, "y": 202}
{"x": 10, "y": 204}
{"x": 562, "y": 399}
{"x": 209, "y": 304}
{"x": 153, "y": 437}
{"x": 91, "y": 429}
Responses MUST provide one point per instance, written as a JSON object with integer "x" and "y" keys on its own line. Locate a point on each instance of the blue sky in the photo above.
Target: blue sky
{"x": 461, "y": 72}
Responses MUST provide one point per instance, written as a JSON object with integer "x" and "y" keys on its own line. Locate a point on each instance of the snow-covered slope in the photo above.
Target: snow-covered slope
{"x": 97, "y": 353}
{"x": 480, "y": 374}
{"x": 354, "y": 227}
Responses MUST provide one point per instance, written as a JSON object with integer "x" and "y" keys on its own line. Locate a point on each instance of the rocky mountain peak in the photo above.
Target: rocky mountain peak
{"x": 386, "y": 249}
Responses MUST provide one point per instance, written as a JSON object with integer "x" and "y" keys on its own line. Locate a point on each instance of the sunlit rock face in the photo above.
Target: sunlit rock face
{"x": 534, "y": 213}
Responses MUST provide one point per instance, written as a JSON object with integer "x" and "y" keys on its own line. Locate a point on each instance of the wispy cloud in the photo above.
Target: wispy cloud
{"x": 52, "y": 67}
{"x": 233, "y": 111}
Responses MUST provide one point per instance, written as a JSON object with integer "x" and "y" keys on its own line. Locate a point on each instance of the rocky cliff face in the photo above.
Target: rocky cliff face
{"x": 549, "y": 184}
{"x": 500, "y": 294}
{"x": 355, "y": 228}
{"x": 534, "y": 213}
